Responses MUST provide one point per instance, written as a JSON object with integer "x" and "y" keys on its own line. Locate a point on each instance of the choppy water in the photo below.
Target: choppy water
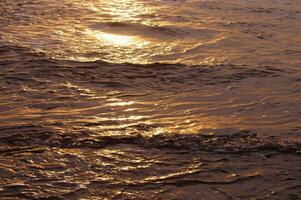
{"x": 138, "y": 99}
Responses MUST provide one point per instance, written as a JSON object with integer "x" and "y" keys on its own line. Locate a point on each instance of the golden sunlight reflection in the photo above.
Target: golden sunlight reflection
{"x": 113, "y": 39}
{"x": 122, "y": 10}
{"x": 118, "y": 48}
{"x": 129, "y": 116}
{"x": 120, "y": 103}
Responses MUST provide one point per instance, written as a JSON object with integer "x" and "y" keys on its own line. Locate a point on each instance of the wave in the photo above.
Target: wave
{"x": 227, "y": 141}
{"x": 165, "y": 33}
{"x": 13, "y": 53}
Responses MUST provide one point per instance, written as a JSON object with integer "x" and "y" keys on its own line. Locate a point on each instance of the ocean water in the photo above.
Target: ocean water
{"x": 141, "y": 99}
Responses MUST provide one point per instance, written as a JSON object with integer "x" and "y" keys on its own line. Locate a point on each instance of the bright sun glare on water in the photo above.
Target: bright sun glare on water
{"x": 112, "y": 39}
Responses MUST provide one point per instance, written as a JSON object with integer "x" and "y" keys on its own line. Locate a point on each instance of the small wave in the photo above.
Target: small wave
{"x": 227, "y": 141}
{"x": 153, "y": 32}
{"x": 217, "y": 73}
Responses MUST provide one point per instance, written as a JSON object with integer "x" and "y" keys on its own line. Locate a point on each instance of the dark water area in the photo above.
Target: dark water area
{"x": 140, "y": 99}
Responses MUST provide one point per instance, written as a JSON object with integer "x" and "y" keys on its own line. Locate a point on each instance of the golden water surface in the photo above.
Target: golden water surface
{"x": 141, "y": 99}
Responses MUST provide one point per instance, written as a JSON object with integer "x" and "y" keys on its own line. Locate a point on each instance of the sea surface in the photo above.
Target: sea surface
{"x": 150, "y": 99}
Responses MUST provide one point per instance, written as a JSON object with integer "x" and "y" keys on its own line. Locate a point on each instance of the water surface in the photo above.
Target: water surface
{"x": 138, "y": 99}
